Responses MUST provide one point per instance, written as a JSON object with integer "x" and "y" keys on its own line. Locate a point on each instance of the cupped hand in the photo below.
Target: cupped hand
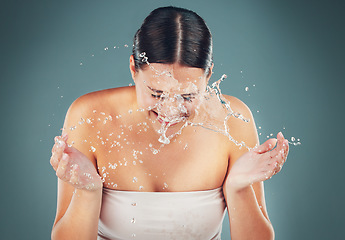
{"x": 259, "y": 164}
{"x": 73, "y": 166}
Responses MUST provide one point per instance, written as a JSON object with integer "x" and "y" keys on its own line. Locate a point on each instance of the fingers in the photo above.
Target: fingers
{"x": 273, "y": 161}
{"x": 64, "y": 136}
{"x": 266, "y": 146}
{"x": 74, "y": 174}
{"x": 62, "y": 167}
{"x": 279, "y": 154}
{"x": 58, "y": 149}
{"x": 282, "y": 148}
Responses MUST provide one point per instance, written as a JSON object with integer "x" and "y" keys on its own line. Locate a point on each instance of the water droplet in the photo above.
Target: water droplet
{"x": 246, "y": 88}
{"x": 126, "y": 45}
{"x": 141, "y": 188}
{"x": 81, "y": 64}
{"x": 93, "y": 149}
{"x": 135, "y": 179}
{"x": 293, "y": 139}
{"x": 133, "y": 220}
{"x": 106, "y": 48}
{"x": 133, "y": 235}
{"x": 164, "y": 139}
{"x": 134, "y": 204}
{"x": 81, "y": 121}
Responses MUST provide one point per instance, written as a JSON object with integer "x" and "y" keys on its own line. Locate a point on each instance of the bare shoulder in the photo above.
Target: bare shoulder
{"x": 107, "y": 100}
{"x": 239, "y": 106}
{"x": 242, "y": 125}
{"x": 88, "y": 113}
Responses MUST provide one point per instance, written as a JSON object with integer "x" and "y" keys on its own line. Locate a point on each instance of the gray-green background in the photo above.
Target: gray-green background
{"x": 293, "y": 51}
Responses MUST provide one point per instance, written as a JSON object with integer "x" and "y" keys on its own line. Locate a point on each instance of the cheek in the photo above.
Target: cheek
{"x": 145, "y": 101}
{"x": 191, "y": 106}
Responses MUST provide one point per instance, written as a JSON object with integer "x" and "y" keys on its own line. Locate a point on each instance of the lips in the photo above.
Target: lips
{"x": 162, "y": 119}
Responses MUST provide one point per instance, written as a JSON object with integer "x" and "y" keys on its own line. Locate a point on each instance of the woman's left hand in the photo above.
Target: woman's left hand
{"x": 259, "y": 164}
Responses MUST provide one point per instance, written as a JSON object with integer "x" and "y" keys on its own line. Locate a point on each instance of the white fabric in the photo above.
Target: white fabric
{"x": 161, "y": 215}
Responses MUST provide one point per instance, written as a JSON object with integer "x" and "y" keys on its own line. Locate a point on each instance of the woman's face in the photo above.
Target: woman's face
{"x": 170, "y": 93}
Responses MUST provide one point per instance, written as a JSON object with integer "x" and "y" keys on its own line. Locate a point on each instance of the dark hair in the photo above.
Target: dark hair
{"x": 172, "y": 34}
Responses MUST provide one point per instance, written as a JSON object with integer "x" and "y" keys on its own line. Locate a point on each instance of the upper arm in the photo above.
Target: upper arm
{"x": 78, "y": 130}
{"x": 246, "y": 132}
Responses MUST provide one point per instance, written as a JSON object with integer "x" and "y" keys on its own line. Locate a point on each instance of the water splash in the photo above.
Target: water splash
{"x": 212, "y": 112}
{"x": 209, "y": 114}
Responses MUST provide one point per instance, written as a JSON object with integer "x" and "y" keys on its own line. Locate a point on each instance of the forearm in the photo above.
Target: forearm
{"x": 80, "y": 220}
{"x": 245, "y": 216}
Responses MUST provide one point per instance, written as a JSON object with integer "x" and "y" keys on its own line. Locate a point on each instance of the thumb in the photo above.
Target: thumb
{"x": 64, "y": 136}
{"x": 266, "y": 146}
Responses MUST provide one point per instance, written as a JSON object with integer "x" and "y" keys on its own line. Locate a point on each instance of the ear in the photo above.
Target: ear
{"x": 210, "y": 71}
{"x": 132, "y": 67}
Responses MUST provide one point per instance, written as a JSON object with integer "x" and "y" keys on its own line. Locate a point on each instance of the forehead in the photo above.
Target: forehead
{"x": 174, "y": 77}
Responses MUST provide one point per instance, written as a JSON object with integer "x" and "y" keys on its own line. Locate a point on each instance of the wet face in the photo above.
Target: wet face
{"x": 169, "y": 93}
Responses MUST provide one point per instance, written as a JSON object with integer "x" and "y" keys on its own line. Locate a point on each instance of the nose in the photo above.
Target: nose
{"x": 172, "y": 106}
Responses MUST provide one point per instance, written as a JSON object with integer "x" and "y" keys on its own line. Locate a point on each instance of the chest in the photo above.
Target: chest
{"x": 130, "y": 157}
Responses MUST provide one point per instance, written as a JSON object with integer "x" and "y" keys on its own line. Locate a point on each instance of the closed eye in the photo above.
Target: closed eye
{"x": 156, "y": 96}
{"x": 189, "y": 99}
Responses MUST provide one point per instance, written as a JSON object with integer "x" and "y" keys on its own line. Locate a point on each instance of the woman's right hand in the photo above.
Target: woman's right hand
{"x": 73, "y": 166}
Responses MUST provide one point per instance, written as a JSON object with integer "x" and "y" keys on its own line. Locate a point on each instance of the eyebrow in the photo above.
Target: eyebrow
{"x": 155, "y": 90}
{"x": 183, "y": 95}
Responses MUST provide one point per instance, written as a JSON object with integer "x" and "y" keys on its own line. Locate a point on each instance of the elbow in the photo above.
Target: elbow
{"x": 270, "y": 233}
{"x": 52, "y": 234}
{"x": 56, "y": 234}
{"x": 267, "y": 234}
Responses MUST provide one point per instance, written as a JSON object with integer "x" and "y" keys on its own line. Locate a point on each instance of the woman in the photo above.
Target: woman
{"x": 133, "y": 162}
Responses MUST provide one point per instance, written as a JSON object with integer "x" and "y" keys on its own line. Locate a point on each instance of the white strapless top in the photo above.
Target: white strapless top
{"x": 161, "y": 215}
